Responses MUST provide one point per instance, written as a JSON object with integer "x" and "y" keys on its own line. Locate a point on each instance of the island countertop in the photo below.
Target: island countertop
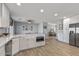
{"x": 5, "y": 39}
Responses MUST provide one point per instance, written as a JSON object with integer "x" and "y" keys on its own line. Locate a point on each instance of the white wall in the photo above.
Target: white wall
{"x": 74, "y": 19}
{"x": 40, "y": 28}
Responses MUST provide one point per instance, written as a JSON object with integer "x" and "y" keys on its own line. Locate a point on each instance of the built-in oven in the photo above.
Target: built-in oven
{"x": 39, "y": 38}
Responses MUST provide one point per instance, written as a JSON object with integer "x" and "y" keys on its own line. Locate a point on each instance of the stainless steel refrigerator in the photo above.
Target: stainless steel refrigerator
{"x": 74, "y": 34}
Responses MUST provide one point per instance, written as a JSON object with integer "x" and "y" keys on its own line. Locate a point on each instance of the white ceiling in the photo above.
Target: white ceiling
{"x": 32, "y": 11}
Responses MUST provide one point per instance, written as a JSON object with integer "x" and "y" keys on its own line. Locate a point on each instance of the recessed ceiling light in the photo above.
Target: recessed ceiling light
{"x": 42, "y": 10}
{"x": 56, "y": 14}
{"x": 64, "y": 17}
{"x": 19, "y": 4}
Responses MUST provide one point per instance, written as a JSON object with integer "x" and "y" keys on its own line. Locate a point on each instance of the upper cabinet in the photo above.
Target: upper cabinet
{"x": 5, "y": 16}
{"x": 0, "y": 13}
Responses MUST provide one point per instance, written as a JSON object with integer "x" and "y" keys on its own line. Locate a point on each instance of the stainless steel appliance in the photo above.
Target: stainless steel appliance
{"x": 39, "y": 38}
{"x": 74, "y": 34}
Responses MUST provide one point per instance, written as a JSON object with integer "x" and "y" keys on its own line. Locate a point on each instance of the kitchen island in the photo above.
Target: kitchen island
{"x": 22, "y": 42}
{"x": 3, "y": 41}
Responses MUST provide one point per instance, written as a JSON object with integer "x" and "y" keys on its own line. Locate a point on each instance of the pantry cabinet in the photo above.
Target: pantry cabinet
{"x": 0, "y": 13}
{"x": 4, "y": 16}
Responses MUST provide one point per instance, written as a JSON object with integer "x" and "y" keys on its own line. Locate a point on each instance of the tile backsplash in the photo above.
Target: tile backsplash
{"x": 3, "y": 30}
{"x": 22, "y": 28}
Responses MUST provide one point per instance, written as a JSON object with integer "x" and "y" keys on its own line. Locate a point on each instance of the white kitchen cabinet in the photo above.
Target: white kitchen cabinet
{"x": 37, "y": 44}
{"x": 32, "y": 42}
{"x": 24, "y": 43}
{"x": 5, "y": 16}
{"x": 15, "y": 46}
{"x": 27, "y": 42}
{"x": 0, "y": 9}
{"x": 2, "y": 51}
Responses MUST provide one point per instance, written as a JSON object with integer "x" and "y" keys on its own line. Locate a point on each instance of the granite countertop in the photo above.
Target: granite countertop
{"x": 5, "y": 39}
{"x": 27, "y": 35}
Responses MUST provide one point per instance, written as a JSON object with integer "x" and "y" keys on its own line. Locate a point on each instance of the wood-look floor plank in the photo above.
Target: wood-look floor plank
{"x": 52, "y": 48}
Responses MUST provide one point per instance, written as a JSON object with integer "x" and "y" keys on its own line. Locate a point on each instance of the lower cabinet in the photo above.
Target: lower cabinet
{"x": 2, "y": 51}
{"x": 40, "y": 44}
{"x": 8, "y": 48}
{"x": 26, "y": 43}
{"x": 32, "y": 42}
{"x": 23, "y": 43}
{"x": 15, "y": 46}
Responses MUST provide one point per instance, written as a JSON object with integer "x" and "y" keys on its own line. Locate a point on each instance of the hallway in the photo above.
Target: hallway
{"x": 52, "y": 48}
